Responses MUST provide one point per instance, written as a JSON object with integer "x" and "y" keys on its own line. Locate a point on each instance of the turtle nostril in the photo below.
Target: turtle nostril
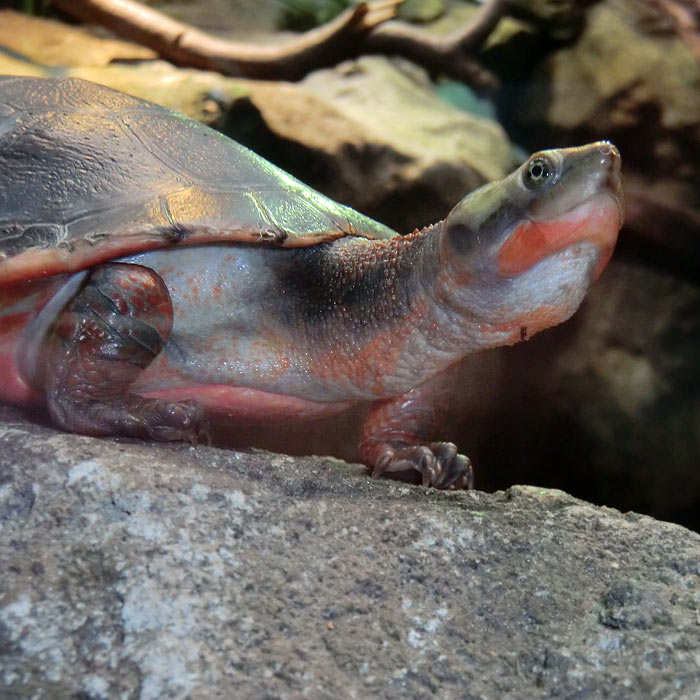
{"x": 609, "y": 155}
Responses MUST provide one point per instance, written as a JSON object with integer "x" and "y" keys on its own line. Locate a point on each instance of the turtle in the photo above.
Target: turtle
{"x": 155, "y": 273}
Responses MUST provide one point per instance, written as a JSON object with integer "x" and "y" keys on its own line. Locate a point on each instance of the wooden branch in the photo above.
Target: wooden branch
{"x": 365, "y": 28}
{"x": 451, "y": 55}
{"x": 184, "y": 45}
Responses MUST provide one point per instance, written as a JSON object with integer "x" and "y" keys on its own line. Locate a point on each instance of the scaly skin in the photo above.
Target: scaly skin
{"x": 338, "y": 322}
{"x": 396, "y": 433}
{"x": 101, "y": 342}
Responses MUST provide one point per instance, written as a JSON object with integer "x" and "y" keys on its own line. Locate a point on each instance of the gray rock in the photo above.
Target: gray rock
{"x": 133, "y": 569}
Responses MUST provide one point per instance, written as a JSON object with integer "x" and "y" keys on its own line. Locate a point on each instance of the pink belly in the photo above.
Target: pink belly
{"x": 13, "y": 388}
{"x": 26, "y": 300}
{"x": 246, "y": 406}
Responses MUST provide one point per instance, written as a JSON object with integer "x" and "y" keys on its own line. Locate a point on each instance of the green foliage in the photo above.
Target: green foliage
{"x": 300, "y": 15}
{"x": 35, "y": 8}
{"x": 421, "y": 10}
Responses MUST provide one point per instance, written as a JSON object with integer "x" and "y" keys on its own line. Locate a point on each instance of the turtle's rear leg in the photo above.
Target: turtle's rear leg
{"x": 397, "y": 440}
{"x": 109, "y": 332}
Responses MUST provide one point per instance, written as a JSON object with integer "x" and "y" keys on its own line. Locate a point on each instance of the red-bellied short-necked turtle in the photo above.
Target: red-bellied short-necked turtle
{"x": 152, "y": 271}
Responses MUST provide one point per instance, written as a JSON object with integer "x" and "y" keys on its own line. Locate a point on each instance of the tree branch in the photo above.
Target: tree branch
{"x": 184, "y": 45}
{"x": 452, "y": 55}
{"x": 361, "y": 29}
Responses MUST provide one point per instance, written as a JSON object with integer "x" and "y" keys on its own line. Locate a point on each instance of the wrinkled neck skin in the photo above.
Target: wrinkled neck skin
{"x": 404, "y": 310}
{"x": 348, "y": 320}
{"x": 512, "y": 258}
{"x": 386, "y": 318}
{"x": 373, "y": 314}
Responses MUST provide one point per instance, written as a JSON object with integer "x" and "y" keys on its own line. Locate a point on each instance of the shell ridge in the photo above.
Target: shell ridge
{"x": 93, "y": 174}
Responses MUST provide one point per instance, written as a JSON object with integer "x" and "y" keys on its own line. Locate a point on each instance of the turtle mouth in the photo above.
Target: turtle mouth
{"x": 597, "y": 220}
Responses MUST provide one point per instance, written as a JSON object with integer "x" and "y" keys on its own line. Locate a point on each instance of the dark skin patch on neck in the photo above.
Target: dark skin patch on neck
{"x": 339, "y": 289}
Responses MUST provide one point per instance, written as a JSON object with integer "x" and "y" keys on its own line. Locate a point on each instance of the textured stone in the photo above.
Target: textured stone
{"x": 133, "y": 569}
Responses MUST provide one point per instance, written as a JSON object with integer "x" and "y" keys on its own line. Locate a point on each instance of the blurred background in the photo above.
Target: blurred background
{"x": 400, "y": 118}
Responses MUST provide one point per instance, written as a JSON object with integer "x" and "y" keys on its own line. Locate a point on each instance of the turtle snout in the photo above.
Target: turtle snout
{"x": 611, "y": 161}
{"x": 609, "y": 157}
{"x": 607, "y": 149}
{"x": 608, "y": 164}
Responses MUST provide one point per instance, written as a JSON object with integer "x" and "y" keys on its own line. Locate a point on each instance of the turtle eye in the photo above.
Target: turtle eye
{"x": 538, "y": 171}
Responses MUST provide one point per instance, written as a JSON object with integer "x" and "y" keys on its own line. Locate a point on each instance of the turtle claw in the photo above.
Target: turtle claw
{"x": 455, "y": 470}
{"x": 438, "y": 465}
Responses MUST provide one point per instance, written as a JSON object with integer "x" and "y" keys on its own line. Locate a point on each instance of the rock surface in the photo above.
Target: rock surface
{"x": 133, "y": 569}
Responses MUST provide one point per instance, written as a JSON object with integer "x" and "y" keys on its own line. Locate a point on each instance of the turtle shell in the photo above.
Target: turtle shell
{"x": 88, "y": 174}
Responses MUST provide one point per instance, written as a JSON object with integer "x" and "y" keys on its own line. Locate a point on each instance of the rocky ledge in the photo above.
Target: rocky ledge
{"x": 132, "y": 569}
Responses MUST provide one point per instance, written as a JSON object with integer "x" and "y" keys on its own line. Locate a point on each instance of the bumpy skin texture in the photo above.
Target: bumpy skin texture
{"x": 395, "y": 434}
{"x": 114, "y": 328}
{"x": 214, "y": 282}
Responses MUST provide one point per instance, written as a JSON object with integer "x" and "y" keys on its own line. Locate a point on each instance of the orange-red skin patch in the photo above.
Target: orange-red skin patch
{"x": 249, "y": 407}
{"x": 367, "y": 365}
{"x": 30, "y": 298}
{"x": 597, "y": 221}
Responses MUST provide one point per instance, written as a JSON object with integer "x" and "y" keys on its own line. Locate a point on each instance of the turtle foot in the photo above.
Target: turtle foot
{"x": 438, "y": 465}
{"x": 132, "y": 416}
{"x": 104, "y": 338}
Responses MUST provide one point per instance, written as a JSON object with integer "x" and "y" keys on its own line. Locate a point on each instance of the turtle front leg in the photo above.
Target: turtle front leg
{"x": 397, "y": 442}
{"x": 109, "y": 332}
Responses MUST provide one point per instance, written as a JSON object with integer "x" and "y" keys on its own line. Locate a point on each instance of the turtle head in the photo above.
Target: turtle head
{"x": 523, "y": 251}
